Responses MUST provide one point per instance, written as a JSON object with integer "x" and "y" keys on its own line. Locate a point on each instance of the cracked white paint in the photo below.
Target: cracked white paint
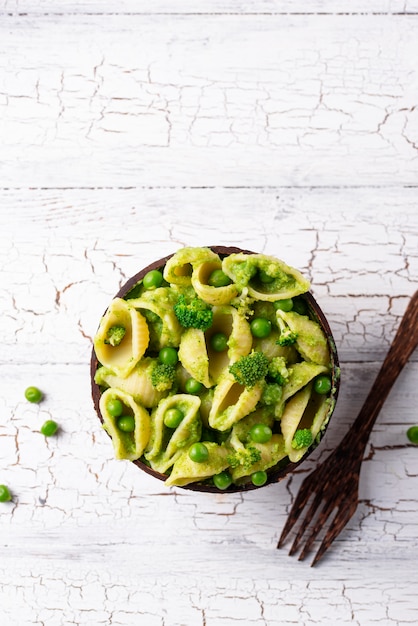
{"x": 214, "y": 99}
{"x": 131, "y": 129}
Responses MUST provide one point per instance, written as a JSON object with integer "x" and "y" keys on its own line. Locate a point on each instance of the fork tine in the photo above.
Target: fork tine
{"x": 299, "y": 504}
{"x": 308, "y": 517}
{"x": 340, "y": 520}
{"x": 318, "y": 526}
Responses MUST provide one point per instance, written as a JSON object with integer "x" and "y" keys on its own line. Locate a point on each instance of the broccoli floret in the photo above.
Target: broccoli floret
{"x": 272, "y": 394}
{"x": 244, "y": 303}
{"x": 244, "y": 457}
{"x": 287, "y": 336}
{"x": 278, "y": 371}
{"x": 249, "y": 369}
{"x": 193, "y": 313}
{"x": 114, "y": 335}
{"x": 302, "y": 439}
{"x": 163, "y": 376}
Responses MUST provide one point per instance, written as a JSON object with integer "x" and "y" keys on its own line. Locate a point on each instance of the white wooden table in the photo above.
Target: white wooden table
{"x": 129, "y": 129}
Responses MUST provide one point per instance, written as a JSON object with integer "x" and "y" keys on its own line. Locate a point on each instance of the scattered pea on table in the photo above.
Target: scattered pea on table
{"x": 5, "y": 495}
{"x": 33, "y": 394}
{"x": 49, "y": 428}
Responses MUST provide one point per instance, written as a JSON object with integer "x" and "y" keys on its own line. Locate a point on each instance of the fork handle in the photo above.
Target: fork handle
{"x": 403, "y": 345}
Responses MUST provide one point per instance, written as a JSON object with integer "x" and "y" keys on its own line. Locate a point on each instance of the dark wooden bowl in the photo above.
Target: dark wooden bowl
{"x": 278, "y": 472}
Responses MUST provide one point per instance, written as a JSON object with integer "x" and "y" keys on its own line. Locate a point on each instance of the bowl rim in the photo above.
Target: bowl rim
{"x": 273, "y": 475}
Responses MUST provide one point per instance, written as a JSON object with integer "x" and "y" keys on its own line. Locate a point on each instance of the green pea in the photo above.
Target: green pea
{"x": 5, "y": 494}
{"x": 219, "y": 342}
{"x": 222, "y": 480}
{"x": 259, "y": 478}
{"x": 322, "y": 384}
{"x": 284, "y": 305}
{"x": 49, "y": 428}
{"x": 193, "y": 386}
{"x": 33, "y": 394}
{"x": 168, "y": 356}
{"x": 126, "y": 423}
{"x": 152, "y": 279}
{"x": 198, "y": 452}
{"x": 173, "y": 417}
{"x": 412, "y": 434}
{"x": 265, "y": 278}
{"x": 260, "y": 327}
{"x": 300, "y": 306}
{"x": 218, "y": 278}
{"x": 114, "y": 407}
{"x": 261, "y": 433}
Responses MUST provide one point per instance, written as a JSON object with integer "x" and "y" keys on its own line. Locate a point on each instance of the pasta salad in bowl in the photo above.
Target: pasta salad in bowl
{"x": 214, "y": 369}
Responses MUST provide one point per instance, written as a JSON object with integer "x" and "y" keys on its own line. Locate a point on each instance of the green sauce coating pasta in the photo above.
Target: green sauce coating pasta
{"x": 222, "y": 413}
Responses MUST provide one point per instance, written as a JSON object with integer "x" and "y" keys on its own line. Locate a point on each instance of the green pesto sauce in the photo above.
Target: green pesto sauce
{"x": 247, "y": 272}
{"x": 191, "y": 435}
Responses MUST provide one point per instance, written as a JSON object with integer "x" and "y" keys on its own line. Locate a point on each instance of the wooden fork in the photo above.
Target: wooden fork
{"x": 334, "y": 483}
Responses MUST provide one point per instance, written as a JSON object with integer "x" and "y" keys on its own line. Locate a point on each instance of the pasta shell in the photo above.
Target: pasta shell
{"x": 244, "y": 270}
{"x": 137, "y": 383}
{"x": 321, "y": 414}
{"x": 291, "y": 418}
{"x": 227, "y": 320}
{"x": 128, "y": 446}
{"x": 241, "y": 429}
{"x": 208, "y": 293}
{"x": 123, "y": 357}
{"x": 165, "y": 445}
{"x": 311, "y": 342}
{"x": 194, "y": 356}
{"x": 165, "y": 330}
{"x": 271, "y": 348}
{"x": 186, "y": 471}
{"x": 304, "y": 410}
{"x": 178, "y": 269}
{"x": 231, "y": 402}
{"x": 271, "y": 453}
{"x": 300, "y": 374}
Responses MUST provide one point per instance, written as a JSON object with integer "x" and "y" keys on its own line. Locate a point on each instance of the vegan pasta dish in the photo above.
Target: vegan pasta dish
{"x": 214, "y": 369}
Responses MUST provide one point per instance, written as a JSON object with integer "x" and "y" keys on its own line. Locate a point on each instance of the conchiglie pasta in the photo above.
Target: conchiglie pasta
{"x": 231, "y": 402}
{"x": 262, "y": 415}
{"x": 265, "y": 277}
{"x": 271, "y": 453}
{"x": 193, "y": 355}
{"x": 269, "y": 345}
{"x": 321, "y": 416}
{"x": 137, "y": 383}
{"x": 227, "y": 320}
{"x": 157, "y": 306}
{"x": 125, "y": 354}
{"x": 186, "y": 471}
{"x": 300, "y": 374}
{"x": 206, "y": 399}
{"x": 127, "y": 445}
{"x": 311, "y": 342}
{"x": 203, "y": 362}
{"x": 305, "y": 410}
{"x": 165, "y": 444}
{"x": 291, "y": 418}
{"x": 235, "y": 327}
{"x": 208, "y": 293}
{"x": 178, "y": 269}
